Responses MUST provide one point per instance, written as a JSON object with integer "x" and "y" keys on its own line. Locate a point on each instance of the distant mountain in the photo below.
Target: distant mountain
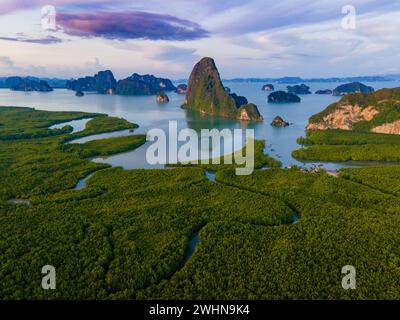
{"x": 26, "y": 84}
{"x": 297, "y": 80}
{"x": 5, "y": 82}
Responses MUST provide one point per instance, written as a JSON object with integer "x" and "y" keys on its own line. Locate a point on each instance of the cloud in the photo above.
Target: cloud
{"x": 6, "y": 62}
{"x": 129, "y": 25}
{"x": 174, "y": 53}
{"x": 43, "y": 40}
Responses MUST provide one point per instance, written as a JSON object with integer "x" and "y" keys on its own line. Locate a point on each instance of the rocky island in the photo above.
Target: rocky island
{"x": 143, "y": 85}
{"x": 207, "y": 95}
{"x": 374, "y": 112}
{"x": 354, "y": 87}
{"x": 162, "y": 98}
{"x": 279, "y": 122}
{"x": 326, "y": 91}
{"x": 268, "y": 87}
{"x": 299, "y": 89}
{"x": 181, "y": 89}
{"x": 283, "y": 97}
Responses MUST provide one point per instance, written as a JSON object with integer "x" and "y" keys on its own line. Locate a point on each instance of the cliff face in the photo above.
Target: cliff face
{"x": 344, "y": 117}
{"x": 207, "y": 95}
{"x": 388, "y": 128}
{"x": 377, "y": 112}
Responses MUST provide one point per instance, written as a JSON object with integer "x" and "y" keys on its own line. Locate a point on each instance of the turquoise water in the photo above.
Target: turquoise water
{"x": 149, "y": 115}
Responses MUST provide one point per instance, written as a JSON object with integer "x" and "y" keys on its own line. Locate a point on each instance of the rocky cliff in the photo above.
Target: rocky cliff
{"x": 377, "y": 112}
{"x": 207, "y": 95}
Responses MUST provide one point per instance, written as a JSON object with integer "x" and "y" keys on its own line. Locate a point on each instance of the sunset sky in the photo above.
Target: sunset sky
{"x": 247, "y": 38}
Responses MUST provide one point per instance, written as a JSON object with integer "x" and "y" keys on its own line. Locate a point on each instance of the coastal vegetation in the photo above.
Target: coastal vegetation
{"x": 126, "y": 234}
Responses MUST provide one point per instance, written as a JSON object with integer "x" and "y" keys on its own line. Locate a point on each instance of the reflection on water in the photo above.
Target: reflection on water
{"x": 144, "y": 110}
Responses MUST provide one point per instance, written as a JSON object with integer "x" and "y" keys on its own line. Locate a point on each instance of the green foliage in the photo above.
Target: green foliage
{"x": 260, "y": 160}
{"x": 102, "y": 124}
{"x": 385, "y": 179}
{"x": 343, "y": 137}
{"x": 366, "y": 152}
{"x": 27, "y": 123}
{"x": 125, "y": 236}
{"x": 105, "y": 147}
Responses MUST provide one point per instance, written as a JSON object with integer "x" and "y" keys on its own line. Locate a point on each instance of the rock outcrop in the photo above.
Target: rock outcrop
{"x": 326, "y": 91}
{"x": 279, "y": 122}
{"x": 103, "y": 82}
{"x": 388, "y": 128}
{"x": 143, "y": 85}
{"x": 268, "y": 87}
{"x": 207, "y": 95}
{"x": 26, "y": 84}
{"x": 283, "y": 97}
{"x": 344, "y": 117}
{"x": 299, "y": 89}
{"x": 354, "y": 87}
{"x": 162, "y": 98}
{"x": 79, "y": 93}
{"x": 249, "y": 112}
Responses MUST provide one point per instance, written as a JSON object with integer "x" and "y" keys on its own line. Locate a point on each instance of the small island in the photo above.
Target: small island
{"x": 162, "y": 98}
{"x": 299, "y": 89}
{"x": 354, "y": 87}
{"x": 268, "y": 87}
{"x": 326, "y": 91}
{"x": 181, "y": 89}
{"x": 278, "y": 122}
{"x": 283, "y": 97}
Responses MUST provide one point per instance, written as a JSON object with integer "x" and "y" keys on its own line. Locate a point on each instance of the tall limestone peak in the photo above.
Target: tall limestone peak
{"x": 207, "y": 95}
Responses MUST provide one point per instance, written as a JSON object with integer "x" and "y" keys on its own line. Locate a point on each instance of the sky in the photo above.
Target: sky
{"x": 247, "y": 38}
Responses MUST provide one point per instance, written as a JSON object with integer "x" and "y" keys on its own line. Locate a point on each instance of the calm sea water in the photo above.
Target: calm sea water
{"x": 149, "y": 115}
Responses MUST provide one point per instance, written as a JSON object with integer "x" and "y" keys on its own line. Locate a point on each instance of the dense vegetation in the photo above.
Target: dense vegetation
{"x": 125, "y": 235}
{"x": 365, "y": 152}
